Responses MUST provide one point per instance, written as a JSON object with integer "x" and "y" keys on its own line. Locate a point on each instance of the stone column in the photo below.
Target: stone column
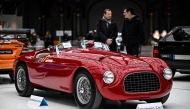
{"x": 78, "y": 24}
{"x": 168, "y": 16}
{"x": 61, "y": 16}
{"x": 25, "y": 13}
{"x": 151, "y": 15}
{"x": 78, "y": 18}
{"x": 43, "y": 18}
{"x": 43, "y": 22}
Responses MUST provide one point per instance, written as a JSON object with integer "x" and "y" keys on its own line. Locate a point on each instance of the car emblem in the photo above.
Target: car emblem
{"x": 2, "y": 46}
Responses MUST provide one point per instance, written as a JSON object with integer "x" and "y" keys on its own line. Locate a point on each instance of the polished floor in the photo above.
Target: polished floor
{"x": 9, "y": 98}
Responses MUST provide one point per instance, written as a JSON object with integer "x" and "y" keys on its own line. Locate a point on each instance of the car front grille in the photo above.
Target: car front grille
{"x": 141, "y": 82}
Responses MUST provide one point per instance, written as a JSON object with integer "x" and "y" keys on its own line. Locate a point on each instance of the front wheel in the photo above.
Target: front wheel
{"x": 22, "y": 82}
{"x": 86, "y": 94}
{"x": 162, "y": 100}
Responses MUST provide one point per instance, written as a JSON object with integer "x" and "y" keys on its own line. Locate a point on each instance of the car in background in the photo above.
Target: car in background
{"x": 13, "y": 43}
{"x": 174, "y": 49}
{"x": 92, "y": 73}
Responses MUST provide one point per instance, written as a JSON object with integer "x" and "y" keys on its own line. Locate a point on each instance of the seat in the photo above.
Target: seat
{"x": 40, "y": 55}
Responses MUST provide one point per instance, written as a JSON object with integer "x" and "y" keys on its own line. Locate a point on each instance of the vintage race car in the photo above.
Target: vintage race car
{"x": 92, "y": 74}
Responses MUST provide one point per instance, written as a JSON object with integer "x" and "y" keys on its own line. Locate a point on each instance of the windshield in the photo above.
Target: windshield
{"x": 84, "y": 44}
{"x": 63, "y": 46}
{"x": 93, "y": 44}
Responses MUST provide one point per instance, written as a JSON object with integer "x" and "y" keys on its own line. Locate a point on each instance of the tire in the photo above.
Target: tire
{"x": 162, "y": 100}
{"x": 22, "y": 82}
{"x": 86, "y": 94}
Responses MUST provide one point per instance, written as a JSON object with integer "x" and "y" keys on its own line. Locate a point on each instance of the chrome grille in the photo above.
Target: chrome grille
{"x": 141, "y": 82}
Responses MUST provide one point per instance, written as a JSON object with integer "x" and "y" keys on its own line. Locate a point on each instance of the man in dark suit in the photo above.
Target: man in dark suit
{"x": 107, "y": 30}
{"x": 133, "y": 32}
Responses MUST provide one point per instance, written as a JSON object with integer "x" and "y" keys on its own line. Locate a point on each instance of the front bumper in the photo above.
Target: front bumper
{"x": 117, "y": 91}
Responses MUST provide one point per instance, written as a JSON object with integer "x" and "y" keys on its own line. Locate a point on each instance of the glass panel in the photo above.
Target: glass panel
{"x": 181, "y": 33}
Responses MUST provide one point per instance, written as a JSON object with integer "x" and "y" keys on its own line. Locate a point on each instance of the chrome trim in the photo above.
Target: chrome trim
{"x": 21, "y": 79}
{"x": 140, "y": 72}
{"x": 83, "y": 90}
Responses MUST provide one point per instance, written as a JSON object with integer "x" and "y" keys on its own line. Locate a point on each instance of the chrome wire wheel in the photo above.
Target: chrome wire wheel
{"x": 86, "y": 93}
{"x": 21, "y": 79}
{"x": 83, "y": 90}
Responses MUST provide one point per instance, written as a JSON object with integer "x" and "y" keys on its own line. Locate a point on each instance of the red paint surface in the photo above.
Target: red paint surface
{"x": 58, "y": 71}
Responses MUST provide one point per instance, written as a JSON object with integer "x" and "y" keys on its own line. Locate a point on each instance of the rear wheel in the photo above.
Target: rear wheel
{"x": 162, "y": 100}
{"x": 22, "y": 82}
{"x": 86, "y": 94}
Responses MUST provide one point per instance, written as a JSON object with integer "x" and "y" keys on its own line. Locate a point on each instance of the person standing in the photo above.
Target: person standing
{"x": 133, "y": 32}
{"x": 65, "y": 37}
{"x": 107, "y": 30}
{"x": 48, "y": 39}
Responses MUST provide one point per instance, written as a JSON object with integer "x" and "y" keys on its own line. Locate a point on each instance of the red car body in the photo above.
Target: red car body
{"x": 58, "y": 71}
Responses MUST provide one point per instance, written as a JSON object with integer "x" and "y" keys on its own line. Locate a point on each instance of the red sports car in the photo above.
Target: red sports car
{"x": 92, "y": 74}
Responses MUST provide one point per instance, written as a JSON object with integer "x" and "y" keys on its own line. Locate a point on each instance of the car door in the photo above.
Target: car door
{"x": 36, "y": 67}
{"x": 59, "y": 71}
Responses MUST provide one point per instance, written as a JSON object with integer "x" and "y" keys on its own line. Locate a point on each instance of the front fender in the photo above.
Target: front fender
{"x": 98, "y": 71}
{"x": 157, "y": 64}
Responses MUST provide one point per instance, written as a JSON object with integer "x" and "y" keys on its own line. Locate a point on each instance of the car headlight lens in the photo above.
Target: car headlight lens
{"x": 167, "y": 73}
{"x": 108, "y": 77}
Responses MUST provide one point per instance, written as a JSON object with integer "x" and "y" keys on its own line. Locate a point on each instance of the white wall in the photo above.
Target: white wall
{"x": 13, "y": 21}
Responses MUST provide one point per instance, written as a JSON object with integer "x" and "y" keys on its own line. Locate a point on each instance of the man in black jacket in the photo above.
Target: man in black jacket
{"x": 107, "y": 30}
{"x": 133, "y": 31}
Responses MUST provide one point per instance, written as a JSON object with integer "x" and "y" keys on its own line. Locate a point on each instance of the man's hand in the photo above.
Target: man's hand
{"x": 108, "y": 41}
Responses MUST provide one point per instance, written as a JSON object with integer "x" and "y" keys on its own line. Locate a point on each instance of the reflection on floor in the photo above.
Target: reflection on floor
{"x": 5, "y": 80}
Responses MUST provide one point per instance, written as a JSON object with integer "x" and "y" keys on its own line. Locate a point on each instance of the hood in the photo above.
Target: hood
{"x": 90, "y": 53}
{"x": 115, "y": 58}
{"x": 124, "y": 60}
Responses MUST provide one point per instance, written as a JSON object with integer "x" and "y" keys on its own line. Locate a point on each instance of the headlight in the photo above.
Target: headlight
{"x": 167, "y": 73}
{"x": 108, "y": 77}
